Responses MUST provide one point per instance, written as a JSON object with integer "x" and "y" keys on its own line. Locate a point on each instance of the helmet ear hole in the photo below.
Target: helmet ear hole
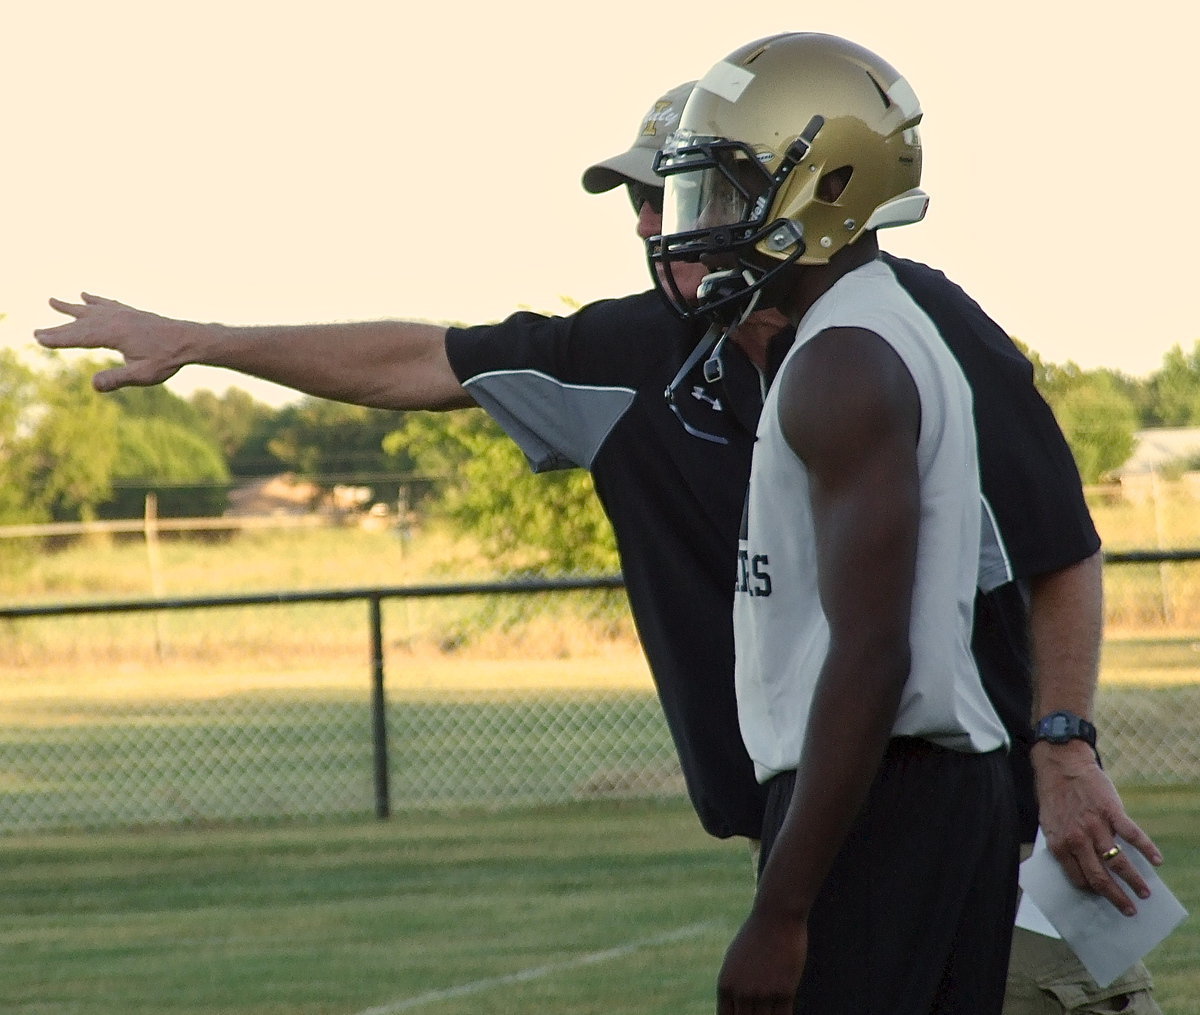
{"x": 832, "y": 185}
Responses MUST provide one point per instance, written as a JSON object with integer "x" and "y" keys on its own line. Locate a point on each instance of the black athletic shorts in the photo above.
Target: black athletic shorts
{"x": 916, "y": 915}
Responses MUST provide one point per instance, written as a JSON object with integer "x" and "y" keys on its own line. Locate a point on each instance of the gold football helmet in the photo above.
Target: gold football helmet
{"x": 788, "y": 149}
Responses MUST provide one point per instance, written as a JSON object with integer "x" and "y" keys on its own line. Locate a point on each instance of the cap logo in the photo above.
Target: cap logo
{"x": 661, "y": 115}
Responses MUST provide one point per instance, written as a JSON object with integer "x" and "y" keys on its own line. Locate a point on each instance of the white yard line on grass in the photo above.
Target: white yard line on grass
{"x": 537, "y": 972}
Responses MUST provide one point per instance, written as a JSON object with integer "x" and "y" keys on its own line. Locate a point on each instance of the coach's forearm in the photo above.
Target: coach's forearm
{"x": 1066, "y": 622}
{"x": 382, "y": 364}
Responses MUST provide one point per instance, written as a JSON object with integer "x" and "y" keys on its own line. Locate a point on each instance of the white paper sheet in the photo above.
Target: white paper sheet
{"x": 1031, "y": 918}
{"x": 1106, "y": 942}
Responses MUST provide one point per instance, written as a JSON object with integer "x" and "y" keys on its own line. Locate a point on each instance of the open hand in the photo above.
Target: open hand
{"x": 154, "y": 347}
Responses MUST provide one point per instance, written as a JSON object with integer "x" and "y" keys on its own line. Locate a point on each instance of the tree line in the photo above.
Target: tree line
{"x": 68, "y": 454}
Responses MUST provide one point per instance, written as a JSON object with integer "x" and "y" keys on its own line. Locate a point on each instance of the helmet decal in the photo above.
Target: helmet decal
{"x": 726, "y": 80}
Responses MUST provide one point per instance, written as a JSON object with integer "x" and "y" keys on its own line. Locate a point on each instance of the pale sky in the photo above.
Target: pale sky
{"x": 277, "y": 162}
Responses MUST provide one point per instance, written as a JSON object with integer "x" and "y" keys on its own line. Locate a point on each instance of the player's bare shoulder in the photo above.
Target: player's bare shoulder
{"x": 845, "y": 388}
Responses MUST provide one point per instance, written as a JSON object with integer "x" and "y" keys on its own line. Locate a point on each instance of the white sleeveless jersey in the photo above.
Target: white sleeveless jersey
{"x": 780, "y": 630}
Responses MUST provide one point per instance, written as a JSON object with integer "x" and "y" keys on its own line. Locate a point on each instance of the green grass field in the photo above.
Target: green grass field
{"x": 591, "y": 908}
{"x": 599, "y": 906}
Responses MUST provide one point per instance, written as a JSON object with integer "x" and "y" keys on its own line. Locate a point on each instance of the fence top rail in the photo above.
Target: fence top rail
{"x": 1149, "y": 556}
{"x": 373, "y": 593}
{"x": 116, "y": 525}
{"x": 378, "y": 593}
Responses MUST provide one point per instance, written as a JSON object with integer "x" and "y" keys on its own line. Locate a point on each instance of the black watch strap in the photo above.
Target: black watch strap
{"x": 1062, "y": 726}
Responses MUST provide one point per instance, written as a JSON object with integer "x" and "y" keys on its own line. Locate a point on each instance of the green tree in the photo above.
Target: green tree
{"x": 1051, "y": 379}
{"x": 160, "y": 403}
{"x": 549, "y": 523}
{"x": 1099, "y": 421}
{"x": 242, "y": 427}
{"x": 1096, "y": 409}
{"x": 1141, "y": 396}
{"x": 159, "y": 449}
{"x": 70, "y": 444}
{"x": 19, "y": 407}
{"x": 70, "y": 454}
{"x": 1176, "y": 388}
{"x": 159, "y": 442}
{"x": 321, "y": 438}
{"x": 178, "y": 463}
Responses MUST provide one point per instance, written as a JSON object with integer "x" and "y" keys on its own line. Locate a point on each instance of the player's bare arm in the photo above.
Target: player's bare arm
{"x": 1081, "y": 811}
{"x": 382, "y": 364}
{"x": 850, "y": 411}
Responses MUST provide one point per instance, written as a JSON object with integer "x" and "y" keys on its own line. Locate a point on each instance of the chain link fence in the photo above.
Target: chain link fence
{"x": 378, "y": 701}
{"x": 1150, "y": 735}
{"x": 498, "y": 710}
{"x": 289, "y": 755}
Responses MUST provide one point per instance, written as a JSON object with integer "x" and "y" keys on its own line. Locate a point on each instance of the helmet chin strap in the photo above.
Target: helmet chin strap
{"x": 710, "y": 341}
{"x": 713, "y": 341}
{"x": 712, "y": 338}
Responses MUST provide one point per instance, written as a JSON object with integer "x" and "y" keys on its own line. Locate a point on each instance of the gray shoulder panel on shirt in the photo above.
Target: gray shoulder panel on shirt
{"x": 995, "y": 566}
{"x": 557, "y": 425}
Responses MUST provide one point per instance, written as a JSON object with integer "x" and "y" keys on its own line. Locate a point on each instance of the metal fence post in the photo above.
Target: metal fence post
{"x": 383, "y": 807}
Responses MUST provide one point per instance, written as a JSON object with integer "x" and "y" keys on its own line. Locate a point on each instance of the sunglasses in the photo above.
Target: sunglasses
{"x": 644, "y": 193}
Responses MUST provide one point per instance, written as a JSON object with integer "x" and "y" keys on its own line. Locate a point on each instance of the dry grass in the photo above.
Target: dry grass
{"x": 432, "y": 645}
{"x": 1150, "y": 599}
{"x": 462, "y": 642}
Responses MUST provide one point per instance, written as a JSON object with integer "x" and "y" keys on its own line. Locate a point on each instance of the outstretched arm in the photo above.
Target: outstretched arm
{"x": 382, "y": 364}
{"x": 1079, "y": 808}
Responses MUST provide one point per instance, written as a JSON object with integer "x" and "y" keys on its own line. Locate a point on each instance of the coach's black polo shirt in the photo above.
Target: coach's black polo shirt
{"x": 587, "y": 391}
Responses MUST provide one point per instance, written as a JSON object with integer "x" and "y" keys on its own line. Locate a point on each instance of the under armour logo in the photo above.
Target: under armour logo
{"x": 701, "y": 395}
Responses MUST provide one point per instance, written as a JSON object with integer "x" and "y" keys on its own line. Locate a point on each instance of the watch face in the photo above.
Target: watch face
{"x": 1059, "y": 727}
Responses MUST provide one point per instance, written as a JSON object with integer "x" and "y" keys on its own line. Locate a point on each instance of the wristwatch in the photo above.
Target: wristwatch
{"x": 1060, "y": 727}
